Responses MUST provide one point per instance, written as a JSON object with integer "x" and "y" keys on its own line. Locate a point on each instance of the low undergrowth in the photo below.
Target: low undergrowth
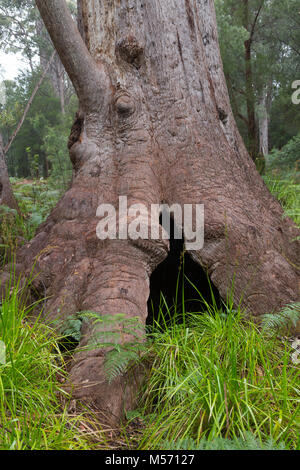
{"x": 216, "y": 381}
{"x": 219, "y": 378}
{"x": 36, "y": 199}
{"x": 34, "y": 408}
{"x": 287, "y": 191}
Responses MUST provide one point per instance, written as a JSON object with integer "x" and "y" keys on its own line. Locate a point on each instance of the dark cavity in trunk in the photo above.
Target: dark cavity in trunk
{"x": 177, "y": 282}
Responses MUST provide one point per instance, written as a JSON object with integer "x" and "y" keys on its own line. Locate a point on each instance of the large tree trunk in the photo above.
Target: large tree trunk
{"x": 155, "y": 125}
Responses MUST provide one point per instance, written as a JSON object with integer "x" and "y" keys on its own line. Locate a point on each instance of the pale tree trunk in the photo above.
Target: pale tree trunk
{"x": 155, "y": 125}
{"x": 61, "y": 86}
{"x": 263, "y": 114}
{"x": 250, "y": 98}
{"x": 263, "y": 127}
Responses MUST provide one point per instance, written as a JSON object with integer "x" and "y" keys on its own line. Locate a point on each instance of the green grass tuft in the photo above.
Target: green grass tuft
{"x": 33, "y": 405}
{"x": 219, "y": 376}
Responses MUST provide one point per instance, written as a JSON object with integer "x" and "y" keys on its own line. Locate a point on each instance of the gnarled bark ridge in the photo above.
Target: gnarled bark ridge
{"x": 155, "y": 124}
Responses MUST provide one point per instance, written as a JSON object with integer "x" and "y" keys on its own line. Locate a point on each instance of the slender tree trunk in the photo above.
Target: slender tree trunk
{"x": 7, "y": 197}
{"x": 61, "y": 87}
{"x": 250, "y": 98}
{"x": 155, "y": 125}
{"x": 263, "y": 127}
{"x": 250, "y": 101}
{"x": 264, "y": 108}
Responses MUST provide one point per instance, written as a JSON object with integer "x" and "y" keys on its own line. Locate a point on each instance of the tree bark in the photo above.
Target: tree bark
{"x": 264, "y": 108}
{"x": 250, "y": 97}
{"x": 155, "y": 125}
{"x": 7, "y": 197}
{"x": 250, "y": 102}
{"x": 263, "y": 127}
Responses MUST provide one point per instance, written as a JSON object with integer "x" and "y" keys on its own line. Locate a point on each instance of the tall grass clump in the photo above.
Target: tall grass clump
{"x": 33, "y": 406}
{"x": 218, "y": 376}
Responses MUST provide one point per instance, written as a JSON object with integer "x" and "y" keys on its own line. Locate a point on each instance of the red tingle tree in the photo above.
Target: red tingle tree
{"x": 155, "y": 125}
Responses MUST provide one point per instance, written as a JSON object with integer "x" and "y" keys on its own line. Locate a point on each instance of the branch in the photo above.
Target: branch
{"x": 234, "y": 103}
{"x": 84, "y": 73}
{"x": 14, "y": 135}
{"x": 243, "y": 118}
{"x": 255, "y": 20}
{"x": 238, "y": 90}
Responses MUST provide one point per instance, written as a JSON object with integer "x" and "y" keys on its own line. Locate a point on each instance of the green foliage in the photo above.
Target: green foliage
{"x": 120, "y": 359}
{"x": 12, "y": 230}
{"x": 17, "y": 27}
{"x": 33, "y": 405}
{"x": 123, "y": 339}
{"x": 40, "y": 148}
{"x": 33, "y": 161}
{"x": 288, "y": 194}
{"x": 218, "y": 375}
{"x": 243, "y": 443}
{"x": 287, "y": 159}
{"x": 71, "y": 327}
{"x": 57, "y": 154}
{"x": 31, "y": 134}
{"x": 281, "y": 322}
{"x": 275, "y": 61}
{"x": 217, "y": 381}
{"x": 36, "y": 198}
{"x": 284, "y": 121}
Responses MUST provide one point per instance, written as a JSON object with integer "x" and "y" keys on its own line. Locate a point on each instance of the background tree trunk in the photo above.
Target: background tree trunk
{"x": 155, "y": 124}
{"x": 250, "y": 26}
{"x": 264, "y": 109}
{"x": 7, "y": 197}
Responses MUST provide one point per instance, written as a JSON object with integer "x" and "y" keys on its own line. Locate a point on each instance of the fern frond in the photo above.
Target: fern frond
{"x": 281, "y": 321}
{"x": 109, "y": 334}
{"x": 248, "y": 442}
{"x": 117, "y": 362}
